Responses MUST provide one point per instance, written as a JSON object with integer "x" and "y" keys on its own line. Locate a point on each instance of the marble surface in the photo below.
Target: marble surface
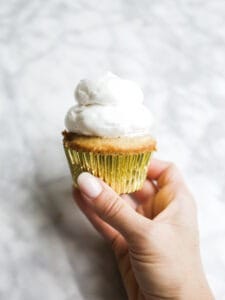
{"x": 176, "y": 51}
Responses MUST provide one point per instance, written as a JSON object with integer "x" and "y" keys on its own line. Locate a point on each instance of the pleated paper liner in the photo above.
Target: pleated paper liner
{"x": 125, "y": 173}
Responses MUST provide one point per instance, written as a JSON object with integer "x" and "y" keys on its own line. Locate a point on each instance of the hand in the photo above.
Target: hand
{"x": 155, "y": 238}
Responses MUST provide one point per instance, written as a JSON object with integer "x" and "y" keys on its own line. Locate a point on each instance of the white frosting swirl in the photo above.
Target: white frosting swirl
{"x": 109, "y": 107}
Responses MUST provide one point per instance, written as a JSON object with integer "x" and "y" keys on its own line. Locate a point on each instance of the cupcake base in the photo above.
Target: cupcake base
{"x": 125, "y": 173}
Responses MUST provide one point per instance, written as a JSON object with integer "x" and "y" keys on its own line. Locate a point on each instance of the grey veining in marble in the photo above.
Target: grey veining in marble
{"x": 176, "y": 51}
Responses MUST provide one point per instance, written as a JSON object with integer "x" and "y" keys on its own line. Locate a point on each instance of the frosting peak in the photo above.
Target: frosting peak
{"x": 109, "y": 107}
{"x": 110, "y": 89}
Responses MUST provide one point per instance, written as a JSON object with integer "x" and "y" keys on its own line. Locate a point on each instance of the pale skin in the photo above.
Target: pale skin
{"x": 153, "y": 233}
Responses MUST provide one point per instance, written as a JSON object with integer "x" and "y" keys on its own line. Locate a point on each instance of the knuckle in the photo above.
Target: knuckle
{"x": 172, "y": 166}
{"x": 111, "y": 207}
{"x": 173, "y": 171}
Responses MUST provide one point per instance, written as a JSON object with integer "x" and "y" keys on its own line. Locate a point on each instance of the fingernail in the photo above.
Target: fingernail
{"x": 89, "y": 185}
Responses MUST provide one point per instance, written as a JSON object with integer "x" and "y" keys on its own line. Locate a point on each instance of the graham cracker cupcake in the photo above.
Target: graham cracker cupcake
{"x": 108, "y": 133}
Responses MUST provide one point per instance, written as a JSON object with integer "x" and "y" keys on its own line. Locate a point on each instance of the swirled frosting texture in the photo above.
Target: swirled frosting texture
{"x": 109, "y": 107}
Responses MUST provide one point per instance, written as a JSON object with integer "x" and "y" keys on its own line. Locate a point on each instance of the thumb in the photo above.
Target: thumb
{"x": 109, "y": 206}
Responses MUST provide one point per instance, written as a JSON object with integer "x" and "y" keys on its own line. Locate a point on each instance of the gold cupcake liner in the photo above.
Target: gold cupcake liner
{"x": 125, "y": 173}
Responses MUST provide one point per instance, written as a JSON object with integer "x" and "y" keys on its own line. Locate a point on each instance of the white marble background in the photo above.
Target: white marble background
{"x": 176, "y": 51}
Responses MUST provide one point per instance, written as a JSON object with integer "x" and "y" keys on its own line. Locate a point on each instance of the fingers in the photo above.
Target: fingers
{"x": 157, "y": 167}
{"x": 110, "y": 234}
{"x": 172, "y": 188}
{"x": 129, "y": 200}
{"x": 147, "y": 192}
{"x": 165, "y": 173}
{"x": 103, "y": 228}
{"x": 110, "y": 207}
{"x": 145, "y": 198}
{"x": 167, "y": 177}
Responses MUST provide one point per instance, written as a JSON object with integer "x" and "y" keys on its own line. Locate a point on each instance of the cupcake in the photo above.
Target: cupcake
{"x": 108, "y": 133}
